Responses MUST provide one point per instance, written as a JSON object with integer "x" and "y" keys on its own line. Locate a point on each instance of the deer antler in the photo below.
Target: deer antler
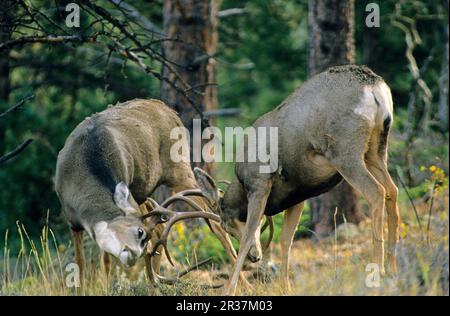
{"x": 173, "y": 280}
{"x": 227, "y": 184}
{"x": 169, "y": 217}
{"x": 224, "y": 182}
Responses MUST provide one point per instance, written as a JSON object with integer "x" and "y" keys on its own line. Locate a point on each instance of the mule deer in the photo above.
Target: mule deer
{"x": 109, "y": 165}
{"x": 334, "y": 126}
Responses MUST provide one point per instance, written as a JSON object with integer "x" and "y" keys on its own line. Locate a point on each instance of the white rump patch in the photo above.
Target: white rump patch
{"x": 367, "y": 107}
{"x": 383, "y": 94}
{"x": 107, "y": 239}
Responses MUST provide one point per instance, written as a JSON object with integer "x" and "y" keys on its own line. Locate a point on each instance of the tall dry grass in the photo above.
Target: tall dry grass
{"x": 332, "y": 266}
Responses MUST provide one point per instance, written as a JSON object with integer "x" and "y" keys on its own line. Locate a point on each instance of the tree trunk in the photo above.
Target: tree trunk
{"x": 369, "y": 38}
{"x": 331, "y": 43}
{"x": 443, "y": 83}
{"x": 194, "y": 24}
{"x": 331, "y": 34}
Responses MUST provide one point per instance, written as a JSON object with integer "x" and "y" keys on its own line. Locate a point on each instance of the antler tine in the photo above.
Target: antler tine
{"x": 155, "y": 205}
{"x": 184, "y": 198}
{"x": 224, "y": 182}
{"x": 153, "y": 202}
{"x": 185, "y": 193}
{"x": 175, "y": 217}
{"x": 268, "y": 223}
{"x": 197, "y": 192}
{"x": 172, "y": 280}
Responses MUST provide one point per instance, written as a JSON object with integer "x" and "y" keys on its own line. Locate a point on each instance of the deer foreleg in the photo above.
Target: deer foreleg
{"x": 256, "y": 204}
{"x": 77, "y": 238}
{"x": 225, "y": 240}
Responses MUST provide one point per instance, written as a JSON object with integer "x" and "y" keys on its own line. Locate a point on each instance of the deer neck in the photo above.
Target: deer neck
{"x": 96, "y": 206}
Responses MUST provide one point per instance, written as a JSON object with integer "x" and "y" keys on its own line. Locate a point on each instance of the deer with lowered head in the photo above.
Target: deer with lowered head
{"x": 110, "y": 164}
{"x": 335, "y": 126}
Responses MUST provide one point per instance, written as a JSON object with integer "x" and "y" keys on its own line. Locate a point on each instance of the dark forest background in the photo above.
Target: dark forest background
{"x": 259, "y": 50}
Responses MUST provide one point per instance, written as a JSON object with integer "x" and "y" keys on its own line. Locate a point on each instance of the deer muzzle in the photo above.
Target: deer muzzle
{"x": 128, "y": 258}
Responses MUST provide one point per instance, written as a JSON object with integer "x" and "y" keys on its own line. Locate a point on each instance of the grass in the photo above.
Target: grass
{"x": 332, "y": 266}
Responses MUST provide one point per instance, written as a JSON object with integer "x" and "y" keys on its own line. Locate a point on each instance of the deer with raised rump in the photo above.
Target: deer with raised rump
{"x": 335, "y": 126}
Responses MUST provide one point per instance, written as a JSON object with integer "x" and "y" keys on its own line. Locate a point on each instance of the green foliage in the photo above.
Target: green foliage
{"x": 262, "y": 56}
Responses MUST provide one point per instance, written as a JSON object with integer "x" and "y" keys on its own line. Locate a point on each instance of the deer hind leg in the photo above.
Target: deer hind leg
{"x": 393, "y": 223}
{"x": 257, "y": 199}
{"x": 77, "y": 238}
{"x": 376, "y": 161}
{"x": 290, "y": 222}
{"x": 356, "y": 173}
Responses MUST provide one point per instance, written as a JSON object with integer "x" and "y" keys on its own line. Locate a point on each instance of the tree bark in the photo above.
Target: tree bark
{"x": 331, "y": 43}
{"x": 369, "y": 38}
{"x": 331, "y": 34}
{"x": 194, "y": 24}
{"x": 443, "y": 82}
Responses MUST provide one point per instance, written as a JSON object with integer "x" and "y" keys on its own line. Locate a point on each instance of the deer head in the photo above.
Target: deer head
{"x": 126, "y": 236}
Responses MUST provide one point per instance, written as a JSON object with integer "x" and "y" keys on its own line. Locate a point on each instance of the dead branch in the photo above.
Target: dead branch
{"x": 49, "y": 39}
{"x": 129, "y": 35}
{"x": 231, "y": 12}
{"x": 223, "y": 112}
{"x": 17, "y": 105}
{"x": 129, "y": 11}
{"x": 15, "y": 152}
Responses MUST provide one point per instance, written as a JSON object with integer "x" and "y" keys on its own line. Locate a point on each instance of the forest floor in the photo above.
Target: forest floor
{"x": 338, "y": 265}
{"x": 332, "y": 266}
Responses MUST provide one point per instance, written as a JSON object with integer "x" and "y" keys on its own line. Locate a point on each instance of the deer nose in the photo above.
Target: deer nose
{"x": 127, "y": 258}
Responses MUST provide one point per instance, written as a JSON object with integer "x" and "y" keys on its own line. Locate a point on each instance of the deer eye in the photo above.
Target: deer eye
{"x": 140, "y": 233}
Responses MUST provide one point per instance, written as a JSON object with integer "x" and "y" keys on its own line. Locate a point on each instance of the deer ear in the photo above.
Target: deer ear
{"x": 207, "y": 185}
{"x": 124, "y": 200}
